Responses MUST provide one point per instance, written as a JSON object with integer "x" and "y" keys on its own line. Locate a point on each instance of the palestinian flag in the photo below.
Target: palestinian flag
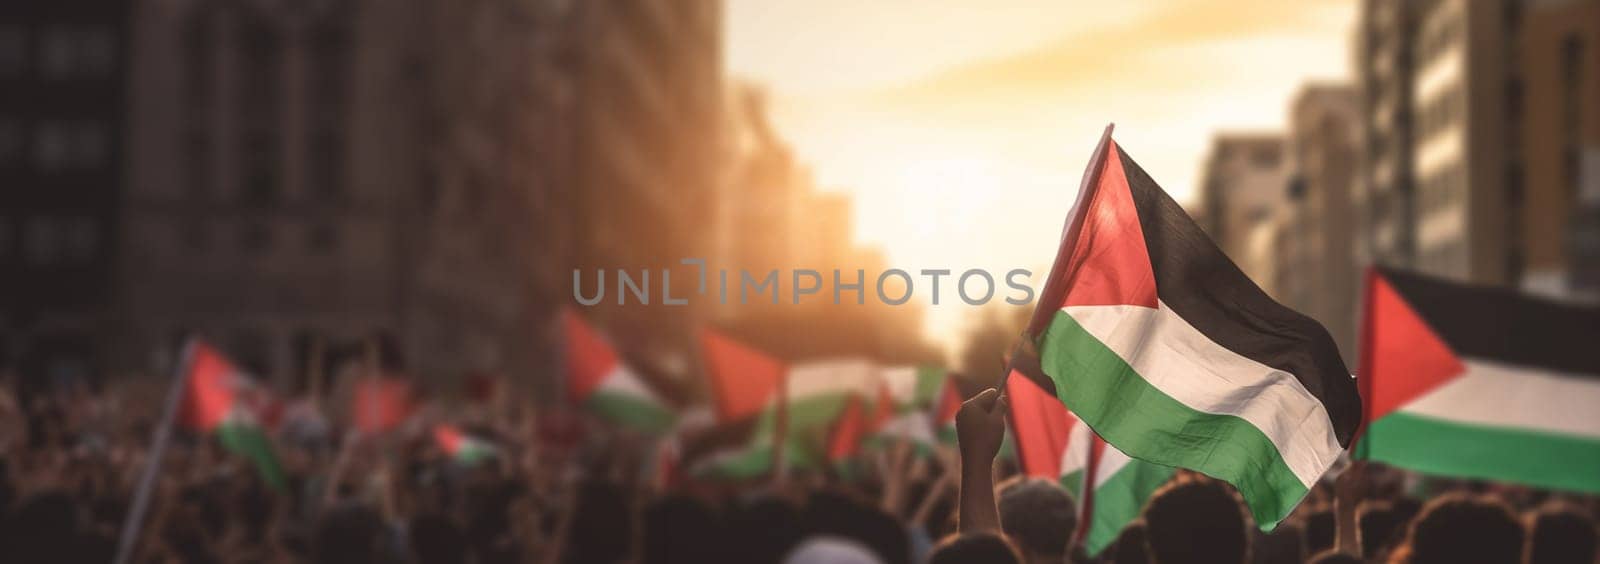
{"x": 380, "y": 405}
{"x": 1041, "y": 426}
{"x": 818, "y": 397}
{"x": 222, "y": 401}
{"x": 742, "y": 379}
{"x": 906, "y": 408}
{"x": 1480, "y": 383}
{"x": 462, "y": 448}
{"x": 1142, "y": 314}
{"x": 597, "y": 380}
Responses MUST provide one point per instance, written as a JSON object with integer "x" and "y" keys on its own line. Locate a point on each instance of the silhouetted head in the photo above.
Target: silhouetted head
{"x": 1284, "y": 545}
{"x": 1197, "y": 520}
{"x": 437, "y": 539}
{"x": 679, "y": 528}
{"x": 351, "y": 533}
{"x": 762, "y": 530}
{"x": 1039, "y": 517}
{"x": 1132, "y": 546}
{"x": 1319, "y": 532}
{"x": 602, "y": 526}
{"x": 974, "y": 548}
{"x": 1463, "y": 528}
{"x": 1331, "y": 557}
{"x": 1381, "y": 529}
{"x": 835, "y": 514}
{"x": 1560, "y": 535}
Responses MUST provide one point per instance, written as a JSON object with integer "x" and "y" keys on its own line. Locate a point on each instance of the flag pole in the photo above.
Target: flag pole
{"x": 780, "y": 432}
{"x": 1055, "y": 284}
{"x": 158, "y": 446}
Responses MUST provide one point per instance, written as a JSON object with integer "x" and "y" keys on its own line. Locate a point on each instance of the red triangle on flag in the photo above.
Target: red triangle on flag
{"x": 742, "y": 379}
{"x": 1402, "y": 358}
{"x": 589, "y": 357}
{"x": 380, "y": 404}
{"x": 845, "y": 439}
{"x": 1041, "y": 424}
{"x": 212, "y": 388}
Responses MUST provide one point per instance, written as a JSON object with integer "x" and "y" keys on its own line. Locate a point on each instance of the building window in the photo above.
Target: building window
{"x": 322, "y": 238}
{"x": 90, "y": 144}
{"x": 7, "y": 237}
{"x": 61, "y": 145}
{"x": 13, "y": 50}
{"x": 196, "y": 236}
{"x": 42, "y": 241}
{"x": 260, "y": 170}
{"x": 76, "y": 52}
{"x": 80, "y": 239}
{"x": 255, "y": 238}
{"x": 52, "y": 145}
{"x": 10, "y": 140}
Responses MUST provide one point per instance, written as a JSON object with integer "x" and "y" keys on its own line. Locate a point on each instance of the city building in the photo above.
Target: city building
{"x": 1317, "y": 272}
{"x": 648, "y": 162}
{"x": 1241, "y": 186}
{"x": 1561, "y": 148}
{"x": 328, "y": 172}
{"x": 63, "y": 78}
{"x": 1476, "y": 119}
{"x": 1383, "y": 195}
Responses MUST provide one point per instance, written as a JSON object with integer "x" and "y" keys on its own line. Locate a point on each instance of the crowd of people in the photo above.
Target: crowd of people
{"x": 70, "y": 460}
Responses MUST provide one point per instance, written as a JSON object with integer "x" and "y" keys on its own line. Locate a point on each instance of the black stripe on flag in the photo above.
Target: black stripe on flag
{"x": 1501, "y": 325}
{"x": 1198, "y": 282}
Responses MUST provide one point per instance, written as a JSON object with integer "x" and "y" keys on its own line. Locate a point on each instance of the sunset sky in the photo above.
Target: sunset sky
{"x": 961, "y": 128}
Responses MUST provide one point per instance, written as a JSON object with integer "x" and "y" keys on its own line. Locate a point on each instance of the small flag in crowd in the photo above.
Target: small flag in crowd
{"x": 222, "y": 401}
{"x": 597, "y": 380}
{"x": 911, "y": 394}
{"x": 944, "y": 412}
{"x": 380, "y": 405}
{"x": 1143, "y": 314}
{"x": 742, "y": 379}
{"x": 1052, "y": 444}
{"x": 747, "y": 383}
{"x": 464, "y": 449}
{"x": 1480, "y": 383}
{"x": 1041, "y": 426}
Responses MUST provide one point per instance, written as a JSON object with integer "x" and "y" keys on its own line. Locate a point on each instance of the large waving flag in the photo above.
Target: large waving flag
{"x": 1144, "y": 315}
{"x": 1480, "y": 383}
{"x": 221, "y": 400}
{"x": 597, "y": 380}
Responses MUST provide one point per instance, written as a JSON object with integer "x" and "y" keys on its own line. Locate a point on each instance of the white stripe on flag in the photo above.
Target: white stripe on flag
{"x": 1182, "y": 362}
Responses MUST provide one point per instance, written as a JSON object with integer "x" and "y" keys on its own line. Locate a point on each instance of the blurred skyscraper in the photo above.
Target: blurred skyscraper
{"x": 1317, "y": 272}
{"x": 63, "y": 70}
{"x": 1241, "y": 186}
{"x": 1477, "y": 119}
{"x": 428, "y": 170}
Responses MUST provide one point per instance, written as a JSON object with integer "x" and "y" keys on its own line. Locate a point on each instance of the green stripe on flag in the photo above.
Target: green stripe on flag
{"x": 248, "y": 440}
{"x": 1437, "y": 446}
{"x": 632, "y": 411}
{"x": 1145, "y": 422}
{"x": 1119, "y": 500}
